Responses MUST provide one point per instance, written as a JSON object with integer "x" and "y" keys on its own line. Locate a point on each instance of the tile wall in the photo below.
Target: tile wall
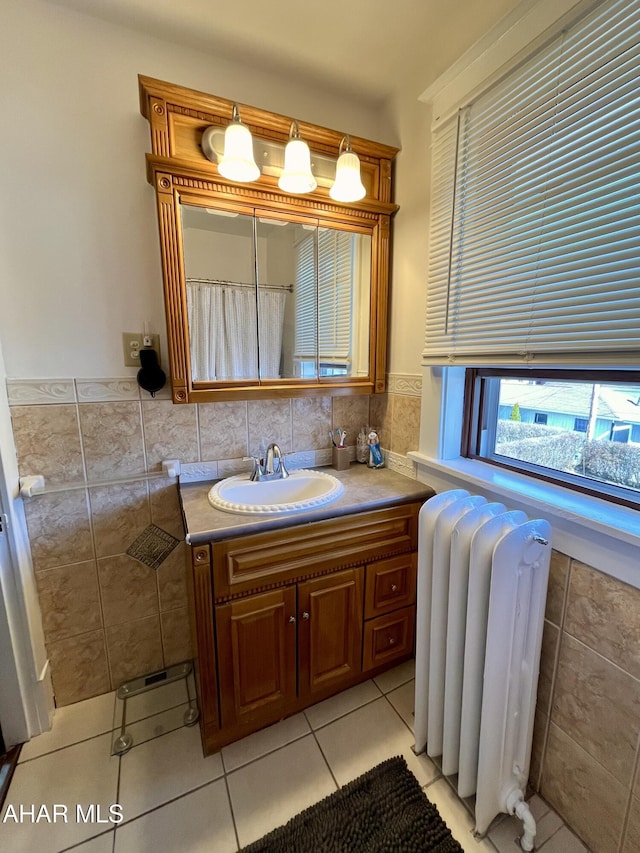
{"x": 109, "y": 617}
{"x": 587, "y": 728}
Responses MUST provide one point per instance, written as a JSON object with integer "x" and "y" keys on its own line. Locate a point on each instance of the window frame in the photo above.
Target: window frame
{"x": 476, "y": 395}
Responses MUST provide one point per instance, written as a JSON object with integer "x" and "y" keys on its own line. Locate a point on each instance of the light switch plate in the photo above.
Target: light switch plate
{"x": 132, "y": 343}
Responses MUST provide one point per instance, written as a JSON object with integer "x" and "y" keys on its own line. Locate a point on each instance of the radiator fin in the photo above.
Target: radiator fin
{"x": 482, "y": 585}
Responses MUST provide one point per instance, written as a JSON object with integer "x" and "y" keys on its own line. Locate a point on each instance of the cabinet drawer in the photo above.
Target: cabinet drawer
{"x": 390, "y": 584}
{"x": 282, "y": 556}
{"x": 388, "y": 637}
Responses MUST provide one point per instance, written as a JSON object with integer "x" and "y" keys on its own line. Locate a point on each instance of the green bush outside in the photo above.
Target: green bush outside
{"x": 569, "y": 451}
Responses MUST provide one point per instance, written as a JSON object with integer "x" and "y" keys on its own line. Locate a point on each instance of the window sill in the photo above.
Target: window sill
{"x": 600, "y": 534}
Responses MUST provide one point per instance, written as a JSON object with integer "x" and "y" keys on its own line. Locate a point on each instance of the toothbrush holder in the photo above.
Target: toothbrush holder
{"x": 340, "y": 458}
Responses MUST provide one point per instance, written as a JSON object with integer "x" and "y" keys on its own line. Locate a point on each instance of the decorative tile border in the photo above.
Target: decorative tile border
{"x": 34, "y": 392}
{"x": 106, "y": 390}
{"x": 195, "y": 472}
{"x": 405, "y": 383}
{"x": 399, "y": 463}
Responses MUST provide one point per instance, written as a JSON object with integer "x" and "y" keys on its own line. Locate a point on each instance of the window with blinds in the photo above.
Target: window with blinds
{"x": 323, "y": 316}
{"x": 535, "y": 223}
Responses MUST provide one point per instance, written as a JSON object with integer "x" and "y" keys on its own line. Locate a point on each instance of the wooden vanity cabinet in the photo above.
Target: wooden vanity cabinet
{"x": 290, "y": 617}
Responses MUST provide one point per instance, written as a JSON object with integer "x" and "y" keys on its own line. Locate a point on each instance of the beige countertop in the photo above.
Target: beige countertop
{"x": 364, "y": 489}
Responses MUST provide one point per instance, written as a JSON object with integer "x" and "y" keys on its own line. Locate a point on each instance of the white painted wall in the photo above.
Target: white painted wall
{"x": 82, "y": 261}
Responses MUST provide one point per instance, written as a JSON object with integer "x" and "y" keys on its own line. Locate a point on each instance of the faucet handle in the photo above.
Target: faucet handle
{"x": 256, "y": 466}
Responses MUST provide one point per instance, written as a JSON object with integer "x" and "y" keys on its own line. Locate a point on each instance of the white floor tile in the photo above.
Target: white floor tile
{"x": 457, "y": 818}
{"x": 356, "y": 743}
{"x": 162, "y": 769}
{"x": 261, "y": 743}
{"x": 337, "y": 706}
{"x": 564, "y": 841}
{"x": 270, "y": 791}
{"x": 82, "y": 774}
{"x": 402, "y": 699}
{"x": 101, "y": 844}
{"x": 393, "y": 678}
{"x": 196, "y": 823}
{"x": 538, "y": 806}
{"x": 72, "y": 724}
{"x": 155, "y": 726}
{"x": 504, "y": 835}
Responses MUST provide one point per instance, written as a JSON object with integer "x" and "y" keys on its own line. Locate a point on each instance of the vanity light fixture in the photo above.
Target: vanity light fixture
{"x": 347, "y": 186}
{"x": 297, "y": 176}
{"x": 238, "y": 163}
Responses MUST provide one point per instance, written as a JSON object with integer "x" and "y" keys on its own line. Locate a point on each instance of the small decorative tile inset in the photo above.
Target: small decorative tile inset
{"x": 153, "y": 546}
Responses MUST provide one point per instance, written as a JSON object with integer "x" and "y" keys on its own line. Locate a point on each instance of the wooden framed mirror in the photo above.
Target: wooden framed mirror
{"x": 266, "y": 293}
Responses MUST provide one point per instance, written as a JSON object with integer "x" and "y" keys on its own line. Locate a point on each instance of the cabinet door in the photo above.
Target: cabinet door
{"x": 330, "y": 631}
{"x": 257, "y": 657}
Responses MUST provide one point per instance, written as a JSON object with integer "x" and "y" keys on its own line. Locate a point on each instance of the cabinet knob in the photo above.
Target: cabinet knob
{"x": 394, "y": 587}
{"x": 305, "y": 615}
{"x": 292, "y": 618}
{"x": 392, "y": 641}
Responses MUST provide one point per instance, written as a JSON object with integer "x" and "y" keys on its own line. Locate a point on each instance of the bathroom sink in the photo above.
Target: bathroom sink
{"x": 303, "y": 489}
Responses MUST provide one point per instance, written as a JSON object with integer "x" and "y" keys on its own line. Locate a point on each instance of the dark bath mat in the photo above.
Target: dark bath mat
{"x": 383, "y": 811}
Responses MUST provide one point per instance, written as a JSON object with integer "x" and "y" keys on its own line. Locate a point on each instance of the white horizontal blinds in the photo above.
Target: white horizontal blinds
{"x": 544, "y": 256}
{"x": 306, "y": 339}
{"x": 335, "y": 275}
{"x": 443, "y": 181}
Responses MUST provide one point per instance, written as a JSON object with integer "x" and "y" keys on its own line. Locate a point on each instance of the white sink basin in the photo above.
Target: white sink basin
{"x": 301, "y": 490}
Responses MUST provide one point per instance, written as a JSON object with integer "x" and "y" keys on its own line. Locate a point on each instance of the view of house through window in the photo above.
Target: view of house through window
{"x": 572, "y": 430}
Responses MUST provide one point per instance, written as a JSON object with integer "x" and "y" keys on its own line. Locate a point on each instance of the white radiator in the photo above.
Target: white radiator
{"x": 482, "y": 587}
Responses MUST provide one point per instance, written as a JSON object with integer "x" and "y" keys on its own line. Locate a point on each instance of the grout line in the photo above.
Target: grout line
{"x": 233, "y": 816}
{"x": 171, "y": 800}
{"x": 87, "y": 840}
{"x": 262, "y": 754}
{"x": 326, "y": 761}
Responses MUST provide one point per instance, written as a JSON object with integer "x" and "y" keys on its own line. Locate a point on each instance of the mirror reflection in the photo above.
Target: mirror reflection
{"x": 270, "y": 298}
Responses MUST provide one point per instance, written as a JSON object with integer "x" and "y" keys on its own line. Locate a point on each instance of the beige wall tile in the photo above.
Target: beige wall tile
{"x": 558, "y": 574}
{"x": 120, "y": 513}
{"x": 170, "y": 432}
{"x": 69, "y": 600}
{"x": 351, "y": 413}
{"x": 128, "y": 589}
{"x": 405, "y": 429}
{"x": 605, "y": 614}
{"x": 589, "y": 798}
{"x": 598, "y": 705}
{"x": 381, "y": 417}
{"x": 269, "y": 420}
{"x": 48, "y": 442}
{"x": 223, "y": 430}
{"x": 176, "y": 636}
{"x": 79, "y": 667}
{"x": 134, "y": 648}
{"x": 165, "y": 506}
{"x": 632, "y": 836}
{"x": 550, "y": 640}
{"x": 112, "y": 440}
{"x": 311, "y": 423}
{"x": 59, "y": 529}
{"x": 171, "y": 578}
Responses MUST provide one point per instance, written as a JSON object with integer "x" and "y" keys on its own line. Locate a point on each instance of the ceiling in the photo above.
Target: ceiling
{"x": 371, "y": 49}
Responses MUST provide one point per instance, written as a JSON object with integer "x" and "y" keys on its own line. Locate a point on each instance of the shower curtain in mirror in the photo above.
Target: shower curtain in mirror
{"x": 225, "y": 330}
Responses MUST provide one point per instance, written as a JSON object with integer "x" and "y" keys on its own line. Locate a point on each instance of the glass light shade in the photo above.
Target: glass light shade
{"x": 347, "y": 185}
{"x": 296, "y": 176}
{"x": 238, "y": 163}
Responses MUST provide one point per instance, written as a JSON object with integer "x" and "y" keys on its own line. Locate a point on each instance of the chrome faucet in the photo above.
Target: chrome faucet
{"x": 272, "y": 467}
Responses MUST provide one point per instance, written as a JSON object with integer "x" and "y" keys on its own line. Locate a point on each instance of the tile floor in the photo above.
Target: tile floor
{"x": 175, "y": 801}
